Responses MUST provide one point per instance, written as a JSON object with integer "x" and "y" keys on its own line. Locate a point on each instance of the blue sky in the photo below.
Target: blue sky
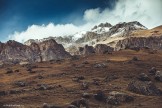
{"x": 21, "y": 20}
{"x": 17, "y": 15}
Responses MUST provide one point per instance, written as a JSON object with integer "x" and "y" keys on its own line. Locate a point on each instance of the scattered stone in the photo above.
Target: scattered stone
{"x": 15, "y": 91}
{"x": 85, "y": 85}
{"x": 144, "y": 87}
{"x": 3, "y": 93}
{"x": 75, "y": 57}
{"x": 158, "y": 76}
{"x": 100, "y": 96}
{"x": 86, "y": 95}
{"x": 100, "y": 65}
{"x": 72, "y": 106}
{"x": 85, "y": 62}
{"x": 43, "y": 87}
{"x": 115, "y": 98}
{"x": 20, "y": 84}
{"x": 40, "y": 77}
{"x": 24, "y": 63}
{"x": 143, "y": 77}
{"x": 17, "y": 70}
{"x": 110, "y": 78}
{"x": 29, "y": 69}
{"x": 78, "y": 78}
{"x": 80, "y": 103}
{"x": 45, "y": 105}
{"x": 8, "y": 71}
{"x": 135, "y": 58}
{"x": 152, "y": 71}
{"x": 96, "y": 82}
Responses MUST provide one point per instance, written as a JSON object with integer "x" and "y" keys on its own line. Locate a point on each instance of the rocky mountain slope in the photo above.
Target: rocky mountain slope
{"x": 15, "y": 52}
{"x": 104, "y": 33}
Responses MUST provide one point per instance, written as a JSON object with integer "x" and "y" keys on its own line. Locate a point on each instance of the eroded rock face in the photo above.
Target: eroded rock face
{"x": 16, "y": 52}
{"x": 140, "y": 42}
{"x": 89, "y": 36}
{"x": 103, "y": 48}
{"x": 51, "y": 50}
{"x": 87, "y": 50}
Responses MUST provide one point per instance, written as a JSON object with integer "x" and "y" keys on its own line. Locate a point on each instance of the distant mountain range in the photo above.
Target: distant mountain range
{"x": 100, "y": 39}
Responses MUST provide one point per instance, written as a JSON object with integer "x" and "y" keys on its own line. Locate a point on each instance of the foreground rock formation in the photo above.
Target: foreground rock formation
{"x": 15, "y": 52}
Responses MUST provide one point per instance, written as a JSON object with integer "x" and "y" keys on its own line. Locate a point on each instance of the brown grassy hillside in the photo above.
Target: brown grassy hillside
{"x": 60, "y": 77}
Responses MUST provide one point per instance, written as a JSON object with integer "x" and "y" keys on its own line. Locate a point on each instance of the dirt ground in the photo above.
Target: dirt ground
{"x": 60, "y": 75}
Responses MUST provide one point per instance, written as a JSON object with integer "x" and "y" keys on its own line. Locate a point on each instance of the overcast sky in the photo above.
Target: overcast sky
{"x": 35, "y": 19}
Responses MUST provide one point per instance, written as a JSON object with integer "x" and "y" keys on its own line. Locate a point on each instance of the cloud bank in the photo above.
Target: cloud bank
{"x": 147, "y": 12}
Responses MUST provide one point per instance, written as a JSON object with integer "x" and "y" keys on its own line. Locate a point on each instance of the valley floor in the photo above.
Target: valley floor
{"x": 61, "y": 82}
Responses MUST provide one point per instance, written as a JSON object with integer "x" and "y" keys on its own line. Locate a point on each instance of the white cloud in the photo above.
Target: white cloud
{"x": 91, "y": 15}
{"x": 147, "y": 12}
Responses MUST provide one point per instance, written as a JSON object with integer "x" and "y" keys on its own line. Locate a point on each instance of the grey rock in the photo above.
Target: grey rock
{"x": 103, "y": 48}
{"x": 20, "y": 84}
{"x": 158, "y": 76}
{"x": 115, "y": 98}
{"x": 81, "y": 102}
{"x": 45, "y": 105}
{"x": 144, "y": 87}
{"x": 3, "y": 93}
{"x": 152, "y": 71}
{"x": 143, "y": 77}
{"x": 100, "y": 96}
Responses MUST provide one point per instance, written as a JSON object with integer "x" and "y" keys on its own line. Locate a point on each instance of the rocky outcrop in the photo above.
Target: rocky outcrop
{"x": 16, "y": 52}
{"x": 87, "y": 50}
{"x": 98, "y": 49}
{"x": 145, "y": 88}
{"x": 103, "y": 48}
{"x": 89, "y": 36}
{"x": 124, "y": 29}
{"x": 140, "y": 42}
{"x": 51, "y": 50}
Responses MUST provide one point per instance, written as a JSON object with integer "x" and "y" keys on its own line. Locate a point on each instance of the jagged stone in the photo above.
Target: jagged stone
{"x": 15, "y": 52}
{"x": 103, "y": 48}
{"x": 100, "y": 96}
{"x": 143, "y": 77}
{"x": 158, "y": 76}
{"x": 45, "y": 105}
{"x": 116, "y": 98}
{"x": 81, "y": 102}
{"x": 152, "y": 71}
{"x": 144, "y": 87}
{"x": 9, "y": 70}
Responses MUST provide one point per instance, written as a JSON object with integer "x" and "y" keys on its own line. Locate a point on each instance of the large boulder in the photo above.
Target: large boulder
{"x": 15, "y": 52}
{"x": 116, "y": 98}
{"x": 144, "y": 87}
{"x": 103, "y": 48}
{"x": 87, "y": 50}
{"x": 51, "y": 50}
{"x": 80, "y": 102}
{"x": 143, "y": 77}
{"x": 158, "y": 76}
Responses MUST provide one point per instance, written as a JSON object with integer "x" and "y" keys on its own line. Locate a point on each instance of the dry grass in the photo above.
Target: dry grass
{"x": 117, "y": 64}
